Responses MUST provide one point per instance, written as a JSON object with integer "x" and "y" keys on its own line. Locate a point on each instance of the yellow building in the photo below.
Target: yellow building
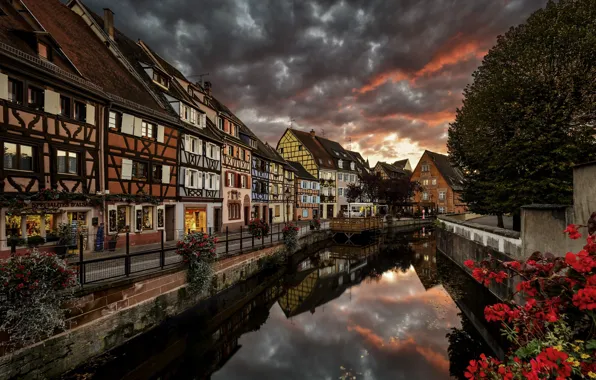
{"x": 305, "y": 148}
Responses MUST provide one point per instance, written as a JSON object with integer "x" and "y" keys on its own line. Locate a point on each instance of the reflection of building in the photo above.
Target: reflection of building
{"x": 425, "y": 257}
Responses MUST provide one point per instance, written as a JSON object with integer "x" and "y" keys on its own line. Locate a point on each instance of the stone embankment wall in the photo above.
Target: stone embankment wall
{"x": 461, "y": 241}
{"x": 105, "y": 317}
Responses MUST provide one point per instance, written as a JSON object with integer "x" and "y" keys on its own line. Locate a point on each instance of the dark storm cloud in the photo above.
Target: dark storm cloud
{"x": 365, "y": 66}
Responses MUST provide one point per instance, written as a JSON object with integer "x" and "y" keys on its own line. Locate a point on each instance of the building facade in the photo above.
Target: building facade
{"x": 306, "y": 188}
{"x": 441, "y": 184}
{"x": 347, "y": 173}
{"x": 261, "y": 168}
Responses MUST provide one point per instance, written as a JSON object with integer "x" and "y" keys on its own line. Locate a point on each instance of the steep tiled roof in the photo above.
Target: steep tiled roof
{"x": 391, "y": 169}
{"x": 400, "y": 164}
{"x": 171, "y": 70}
{"x": 336, "y": 151}
{"x": 452, "y": 174}
{"x": 88, "y": 53}
{"x": 322, "y": 158}
{"x": 301, "y": 172}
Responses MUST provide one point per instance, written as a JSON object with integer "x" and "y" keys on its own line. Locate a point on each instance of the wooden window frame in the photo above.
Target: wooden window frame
{"x": 156, "y": 169}
{"x": 134, "y": 171}
{"x": 20, "y": 85}
{"x": 18, "y": 157}
{"x": 39, "y": 106}
{"x": 67, "y": 163}
{"x": 82, "y": 118}
{"x": 117, "y": 120}
{"x": 146, "y": 127}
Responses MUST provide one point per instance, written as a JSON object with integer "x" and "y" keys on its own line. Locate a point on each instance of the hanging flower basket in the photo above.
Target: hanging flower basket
{"x": 258, "y": 228}
{"x": 198, "y": 250}
{"x": 290, "y": 236}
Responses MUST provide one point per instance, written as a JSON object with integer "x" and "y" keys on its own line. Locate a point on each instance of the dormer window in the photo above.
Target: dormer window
{"x": 220, "y": 123}
{"x": 44, "y": 51}
{"x": 188, "y": 114}
{"x": 340, "y": 163}
{"x": 160, "y": 79}
{"x": 352, "y": 165}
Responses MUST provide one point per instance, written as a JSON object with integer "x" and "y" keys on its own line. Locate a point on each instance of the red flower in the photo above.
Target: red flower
{"x": 572, "y": 231}
{"x": 513, "y": 264}
{"x": 582, "y": 262}
{"x": 469, "y": 264}
{"x": 497, "y": 312}
{"x": 527, "y": 288}
{"x": 585, "y": 299}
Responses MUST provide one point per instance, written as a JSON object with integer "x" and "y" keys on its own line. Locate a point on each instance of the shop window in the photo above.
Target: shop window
{"x": 123, "y": 218}
{"x": 234, "y": 211}
{"x": 65, "y": 106}
{"x": 195, "y": 220}
{"x": 115, "y": 120}
{"x": 35, "y": 98}
{"x": 80, "y": 109}
{"x": 13, "y": 226}
{"x": 18, "y": 157}
{"x": 33, "y": 225}
{"x": 147, "y": 217}
{"x": 15, "y": 91}
{"x": 67, "y": 162}
{"x": 139, "y": 170}
{"x": 50, "y": 224}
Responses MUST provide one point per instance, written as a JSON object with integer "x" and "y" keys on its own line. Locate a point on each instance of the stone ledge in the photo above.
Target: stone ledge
{"x": 537, "y": 206}
{"x": 495, "y": 230}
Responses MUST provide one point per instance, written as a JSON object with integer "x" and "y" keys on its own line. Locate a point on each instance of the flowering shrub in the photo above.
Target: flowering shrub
{"x": 198, "y": 250}
{"x": 553, "y": 333}
{"x": 258, "y": 228}
{"x": 290, "y": 236}
{"x": 33, "y": 287}
{"x": 315, "y": 224}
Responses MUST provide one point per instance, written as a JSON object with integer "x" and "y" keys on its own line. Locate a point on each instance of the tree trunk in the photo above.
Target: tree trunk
{"x": 500, "y": 221}
{"x": 517, "y": 221}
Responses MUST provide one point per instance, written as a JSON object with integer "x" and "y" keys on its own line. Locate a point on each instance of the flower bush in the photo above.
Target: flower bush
{"x": 290, "y": 236}
{"x": 315, "y": 224}
{"x": 258, "y": 228}
{"x": 198, "y": 250}
{"x": 33, "y": 287}
{"x": 553, "y": 332}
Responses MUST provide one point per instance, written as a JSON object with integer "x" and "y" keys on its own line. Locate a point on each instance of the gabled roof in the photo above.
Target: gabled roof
{"x": 301, "y": 172}
{"x": 88, "y": 53}
{"x": 264, "y": 152}
{"x": 450, "y": 173}
{"x": 401, "y": 164}
{"x": 320, "y": 155}
{"x": 336, "y": 151}
{"x": 390, "y": 169}
{"x": 360, "y": 163}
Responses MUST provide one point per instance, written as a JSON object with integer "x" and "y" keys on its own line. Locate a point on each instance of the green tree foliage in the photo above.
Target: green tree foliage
{"x": 354, "y": 193}
{"x": 529, "y": 114}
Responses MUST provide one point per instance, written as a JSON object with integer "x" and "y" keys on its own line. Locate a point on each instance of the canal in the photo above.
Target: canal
{"x": 392, "y": 308}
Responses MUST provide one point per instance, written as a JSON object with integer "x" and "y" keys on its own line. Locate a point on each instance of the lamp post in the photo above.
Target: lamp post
{"x": 288, "y": 196}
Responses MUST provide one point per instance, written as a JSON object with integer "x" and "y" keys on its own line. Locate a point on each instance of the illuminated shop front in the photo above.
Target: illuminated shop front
{"x": 195, "y": 219}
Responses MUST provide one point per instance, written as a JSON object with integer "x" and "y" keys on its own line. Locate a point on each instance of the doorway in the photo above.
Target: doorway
{"x": 217, "y": 219}
{"x": 270, "y": 216}
{"x": 246, "y": 215}
{"x": 329, "y": 211}
{"x": 170, "y": 223}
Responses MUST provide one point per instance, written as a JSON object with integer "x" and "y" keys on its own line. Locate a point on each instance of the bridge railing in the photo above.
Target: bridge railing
{"x": 344, "y": 224}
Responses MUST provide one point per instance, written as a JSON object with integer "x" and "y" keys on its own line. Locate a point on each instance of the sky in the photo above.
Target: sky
{"x": 381, "y": 77}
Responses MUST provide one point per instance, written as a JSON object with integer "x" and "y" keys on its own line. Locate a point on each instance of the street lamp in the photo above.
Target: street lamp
{"x": 288, "y": 196}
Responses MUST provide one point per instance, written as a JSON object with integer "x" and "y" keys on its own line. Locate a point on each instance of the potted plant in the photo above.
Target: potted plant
{"x": 34, "y": 241}
{"x": 258, "y": 228}
{"x": 64, "y": 233}
{"x": 112, "y": 242}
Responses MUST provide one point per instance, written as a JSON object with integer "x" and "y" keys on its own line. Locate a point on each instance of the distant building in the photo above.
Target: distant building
{"x": 403, "y": 165}
{"x": 387, "y": 171}
{"x": 441, "y": 183}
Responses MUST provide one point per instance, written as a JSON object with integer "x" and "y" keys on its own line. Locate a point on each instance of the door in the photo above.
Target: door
{"x": 270, "y": 216}
{"x": 78, "y": 221}
{"x": 329, "y": 211}
{"x": 170, "y": 223}
{"x": 315, "y": 213}
{"x": 246, "y": 215}
{"x": 217, "y": 219}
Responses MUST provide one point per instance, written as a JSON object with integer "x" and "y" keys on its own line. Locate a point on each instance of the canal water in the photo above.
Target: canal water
{"x": 392, "y": 308}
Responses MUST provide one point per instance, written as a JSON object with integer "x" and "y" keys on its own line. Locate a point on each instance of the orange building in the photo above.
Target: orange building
{"x": 441, "y": 184}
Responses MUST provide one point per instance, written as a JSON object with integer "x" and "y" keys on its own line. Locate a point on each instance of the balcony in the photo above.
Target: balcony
{"x": 327, "y": 198}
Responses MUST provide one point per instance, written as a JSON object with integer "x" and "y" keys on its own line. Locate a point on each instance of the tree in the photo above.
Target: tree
{"x": 370, "y": 183}
{"x": 529, "y": 114}
{"x": 354, "y": 192}
{"x": 397, "y": 192}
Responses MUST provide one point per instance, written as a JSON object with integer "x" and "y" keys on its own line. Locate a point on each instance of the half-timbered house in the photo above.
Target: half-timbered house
{"x": 49, "y": 132}
{"x": 306, "y": 188}
{"x": 304, "y": 147}
{"x": 140, "y": 133}
{"x": 279, "y": 202}
{"x": 261, "y": 163}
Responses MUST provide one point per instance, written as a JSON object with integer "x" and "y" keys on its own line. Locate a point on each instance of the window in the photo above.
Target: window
{"x": 340, "y": 164}
{"x": 18, "y": 157}
{"x": 15, "y": 91}
{"x": 194, "y": 145}
{"x": 65, "y": 106}
{"x": 44, "y": 51}
{"x": 234, "y": 211}
{"x": 220, "y": 123}
{"x": 139, "y": 170}
{"x": 277, "y": 211}
{"x": 340, "y": 177}
{"x": 424, "y": 167}
{"x": 340, "y": 191}
{"x": 123, "y": 215}
{"x": 115, "y": 120}
{"x": 353, "y": 178}
{"x": 425, "y": 182}
{"x": 442, "y": 195}
{"x": 243, "y": 181}
{"x": 320, "y": 161}
{"x": 281, "y": 150}
{"x": 441, "y": 210}
{"x": 194, "y": 179}
{"x": 300, "y": 148}
{"x": 231, "y": 180}
{"x": 159, "y": 78}
{"x": 148, "y": 129}
{"x": 80, "y": 109}
{"x": 189, "y": 114}
{"x": 147, "y": 217}
{"x": 67, "y": 162}
{"x": 35, "y": 98}
{"x": 352, "y": 165}
{"x": 304, "y": 199}
{"x": 157, "y": 173}
{"x": 230, "y": 150}
{"x": 425, "y": 196}
{"x": 305, "y": 213}
{"x": 434, "y": 181}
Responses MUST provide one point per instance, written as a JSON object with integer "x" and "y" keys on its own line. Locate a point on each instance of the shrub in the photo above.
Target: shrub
{"x": 258, "y": 228}
{"x": 198, "y": 250}
{"x": 34, "y": 241}
{"x": 553, "y": 333}
{"x": 34, "y": 286}
{"x": 290, "y": 236}
{"x": 315, "y": 224}
{"x": 272, "y": 262}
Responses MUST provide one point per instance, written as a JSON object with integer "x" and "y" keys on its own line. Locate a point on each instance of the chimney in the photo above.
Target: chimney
{"x": 208, "y": 88}
{"x": 108, "y": 22}
{"x": 312, "y": 132}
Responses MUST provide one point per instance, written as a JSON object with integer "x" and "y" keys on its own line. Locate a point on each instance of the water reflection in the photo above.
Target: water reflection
{"x": 379, "y": 311}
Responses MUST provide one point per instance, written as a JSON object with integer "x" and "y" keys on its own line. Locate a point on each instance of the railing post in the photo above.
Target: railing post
{"x": 81, "y": 270}
{"x": 162, "y": 254}
{"x": 278, "y": 232}
{"x": 253, "y": 241}
{"x": 241, "y": 239}
{"x": 271, "y": 235}
{"x": 127, "y": 258}
{"x": 227, "y": 243}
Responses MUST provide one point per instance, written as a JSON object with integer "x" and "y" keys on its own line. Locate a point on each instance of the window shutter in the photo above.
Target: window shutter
{"x": 51, "y": 102}
{"x": 3, "y": 86}
{"x": 137, "y": 126}
{"x": 160, "y": 133}
{"x": 165, "y": 174}
{"x": 227, "y": 175}
{"x": 200, "y": 144}
{"x": 200, "y": 181}
{"x": 161, "y": 222}
{"x": 127, "y": 124}
{"x": 187, "y": 143}
{"x": 90, "y": 114}
{"x": 112, "y": 216}
{"x": 137, "y": 227}
{"x": 217, "y": 180}
{"x": 186, "y": 177}
{"x": 126, "y": 169}
{"x": 238, "y": 183}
